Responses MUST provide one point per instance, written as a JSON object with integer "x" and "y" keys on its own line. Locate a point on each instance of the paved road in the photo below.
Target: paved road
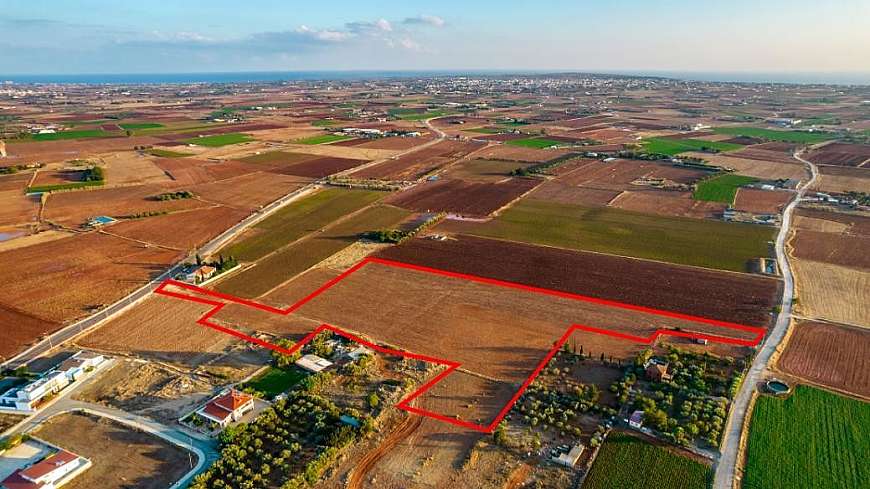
{"x": 726, "y": 467}
{"x": 79, "y": 327}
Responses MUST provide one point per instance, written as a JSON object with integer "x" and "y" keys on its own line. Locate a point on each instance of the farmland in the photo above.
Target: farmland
{"x": 813, "y": 439}
{"x": 676, "y": 146}
{"x": 832, "y": 292}
{"x": 535, "y": 143}
{"x": 684, "y": 241}
{"x": 830, "y": 355}
{"x": 465, "y": 198}
{"x": 803, "y": 137}
{"x": 841, "y": 154}
{"x": 622, "y": 456}
{"x": 297, "y": 219}
{"x": 218, "y": 140}
{"x": 294, "y": 259}
{"x": 722, "y": 188}
{"x": 323, "y": 139}
{"x": 121, "y": 455}
{"x": 27, "y": 329}
{"x": 834, "y": 238}
{"x": 652, "y": 284}
{"x": 63, "y": 135}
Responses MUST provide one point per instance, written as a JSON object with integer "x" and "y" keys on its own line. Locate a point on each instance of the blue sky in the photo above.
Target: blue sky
{"x": 96, "y": 36}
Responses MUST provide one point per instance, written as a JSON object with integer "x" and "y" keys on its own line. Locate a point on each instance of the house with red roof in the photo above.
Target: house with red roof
{"x": 227, "y": 407}
{"x": 49, "y": 473}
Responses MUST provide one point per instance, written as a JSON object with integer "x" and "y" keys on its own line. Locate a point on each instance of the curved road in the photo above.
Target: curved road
{"x": 726, "y": 467}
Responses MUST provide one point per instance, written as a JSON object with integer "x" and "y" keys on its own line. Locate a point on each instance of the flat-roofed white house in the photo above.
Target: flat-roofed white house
{"x": 49, "y": 473}
{"x": 313, "y": 363}
{"x": 570, "y": 458}
{"x": 29, "y": 396}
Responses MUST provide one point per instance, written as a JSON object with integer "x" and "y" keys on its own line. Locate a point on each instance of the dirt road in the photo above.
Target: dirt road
{"x": 404, "y": 430}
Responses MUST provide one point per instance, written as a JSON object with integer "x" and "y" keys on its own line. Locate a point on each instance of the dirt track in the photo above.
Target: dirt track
{"x": 404, "y": 430}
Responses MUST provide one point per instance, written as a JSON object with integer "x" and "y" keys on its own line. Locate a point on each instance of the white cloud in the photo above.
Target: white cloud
{"x": 430, "y": 20}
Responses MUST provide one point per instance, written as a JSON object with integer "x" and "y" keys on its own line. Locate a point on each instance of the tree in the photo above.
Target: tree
{"x": 500, "y": 435}
{"x": 373, "y": 400}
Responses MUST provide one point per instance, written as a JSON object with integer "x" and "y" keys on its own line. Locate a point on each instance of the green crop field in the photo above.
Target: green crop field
{"x": 484, "y": 130}
{"x": 537, "y": 143}
{"x": 219, "y": 140}
{"x": 299, "y": 218}
{"x": 776, "y": 135}
{"x": 672, "y": 147}
{"x": 323, "y": 139}
{"x": 722, "y": 188}
{"x": 165, "y": 153}
{"x": 132, "y": 126}
{"x": 627, "y": 462}
{"x": 277, "y": 157}
{"x": 292, "y": 260}
{"x": 704, "y": 243}
{"x": 323, "y": 123}
{"x": 812, "y": 440}
{"x": 274, "y": 381}
{"x": 64, "y": 186}
{"x": 83, "y": 134}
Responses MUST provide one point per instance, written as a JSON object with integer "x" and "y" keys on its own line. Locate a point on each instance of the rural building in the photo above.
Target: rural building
{"x": 28, "y": 397}
{"x": 313, "y": 363}
{"x": 570, "y": 458}
{"x": 227, "y": 407}
{"x": 198, "y": 274}
{"x": 99, "y": 221}
{"x": 49, "y": 473}
{"x": 658, "y": 372}
{"x": 358, "y": 352}
{"x": 2, "y": 149}
{"x": 636, "y": 420}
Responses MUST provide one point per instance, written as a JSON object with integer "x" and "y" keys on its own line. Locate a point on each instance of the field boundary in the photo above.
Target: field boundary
{"x": 219, "y": 300}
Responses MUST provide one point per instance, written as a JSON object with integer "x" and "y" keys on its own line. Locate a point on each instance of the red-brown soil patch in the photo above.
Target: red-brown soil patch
{"x": 555, "y": 191}
{"x": 418, "y": 163}
{"x": 835, "y": 356}
{"x": 395, "y": 143}
{"x": 58, "y": 177}
{"x": 20, "y": 330}
{"x": 249, "y": 191}
{"x": 62, "y": 279}
{"x": 667, "y": 203}
{"x": 321, "y": 167}
{"x": 460, "y": 197}
{"x": 516, "y": 153}
{"x": 181, "y": 230}
{"x": 841, "y": 154}
{"x": 619, "y": 174}
{"x": 847, "y": 247}
{"x": 74, "y": 208}
{"x": 753, "y": 153}
{"x": 844, "y": 179}
{"x": 725, "y": 296}
{"x": 186, "y": 171}
{"x": 761, "y": 201}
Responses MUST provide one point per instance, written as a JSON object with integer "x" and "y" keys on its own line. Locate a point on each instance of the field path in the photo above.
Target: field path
{"x": 365, "y": 465}
{"x": 726, "y": 467}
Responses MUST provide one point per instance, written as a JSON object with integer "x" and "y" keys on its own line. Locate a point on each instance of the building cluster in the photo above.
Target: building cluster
{"x": 29, "y": 397}
{"x": 51, "y": 472}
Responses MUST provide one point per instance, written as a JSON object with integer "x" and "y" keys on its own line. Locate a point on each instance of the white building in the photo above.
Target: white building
{"x": 28, "y": 397}
{"x": 570, "y": 458}
{"x": 313, "y": 363}
{"x": 49, "y": 473}
{"x": 636, "y": 420}
{"x": 228, "y": 407}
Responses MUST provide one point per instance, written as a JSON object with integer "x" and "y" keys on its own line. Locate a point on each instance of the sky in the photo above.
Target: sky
{"x": 97, "y": 36}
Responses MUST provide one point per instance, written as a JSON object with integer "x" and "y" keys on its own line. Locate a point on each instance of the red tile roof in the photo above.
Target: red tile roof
{"x": 48, "y": 464}
{"x": 233, "y": 400}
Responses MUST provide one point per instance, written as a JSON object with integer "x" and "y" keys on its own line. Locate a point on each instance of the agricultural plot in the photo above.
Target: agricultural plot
{"x": 738, "y": 298}
{"x": 418, "y": 163}
{"x": 535, "y": 143}
{"x": 841, "y": 154}
{"x": 27, "y": 329}
{"x": 165, "y": 153}
{"x": 73, "y": 209}
{"x": 834, "y": 238}
{"x": 323, "y": 139}
{"x": 761, "y": 201}
{"x": 464, "y": 198}
{"x": 122, "y": 456}
{"x": 673, "y": 204}
{"x": 199, "y": 225}
{"x": 249, "y": 191}
{"x": 676, "y": 146}
{"x": 273, "y": 270}
{"x": 812, "y": 439}
{"x": 802, "y": 137}
{"x": 628, "y": 461}
{"x": 77, "y": 274}
{"x": 484, "y": 170}
{"x": 759, "y": 168}
{"x": 297, "y": 219}
{"x": 64, "y": 135}
{"x": 189, "y": 171}
{"x": 832, "y": 292}
{"x": 321, "y": 167}
{"x": 722, "y": 188}
{"x": 843, "y": 179}
{"x": 718, "y": 245}
{"x": 219, "y": 140}
{"x": 127, "y": 168}
{"x": 834, "y": 356}
{"x": 160, "y": 329}
{"x": 15, "y": 207}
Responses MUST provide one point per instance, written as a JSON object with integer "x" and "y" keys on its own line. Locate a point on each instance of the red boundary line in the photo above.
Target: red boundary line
{"x": 405, "y": 403}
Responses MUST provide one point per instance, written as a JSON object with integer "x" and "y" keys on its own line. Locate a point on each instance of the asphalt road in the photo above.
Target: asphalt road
{"x": 725, "y": 476}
